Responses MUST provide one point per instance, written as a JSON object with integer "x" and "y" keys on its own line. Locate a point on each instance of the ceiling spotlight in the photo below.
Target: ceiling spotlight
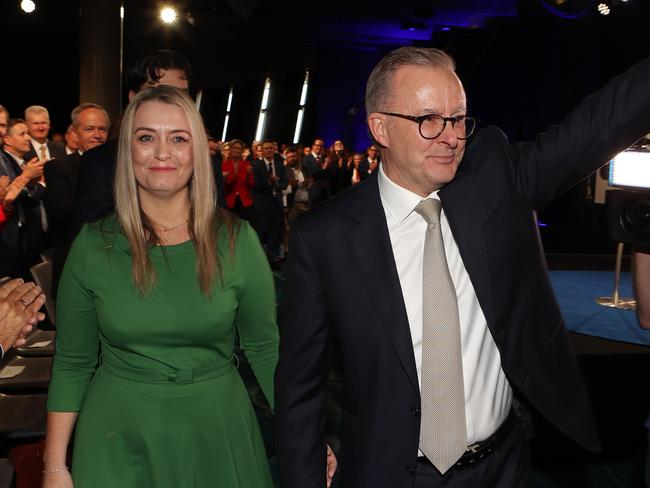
{"x": 603, "y": 9}
{"x": 168, "y": 15}
{"x": 28, "y": 6}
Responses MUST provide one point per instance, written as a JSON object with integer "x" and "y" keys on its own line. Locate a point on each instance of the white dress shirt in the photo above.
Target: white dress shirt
{"x": 37, "y": 148}
{"x": 488, "y": 395}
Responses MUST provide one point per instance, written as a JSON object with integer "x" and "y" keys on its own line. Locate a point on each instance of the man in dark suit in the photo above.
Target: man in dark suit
{"x": 315, "y": 165}
{"x": 94, "y": 197}
{"x": 270, "y": 178}
{"x": 415, "y": 415}
{"x": 21, "y": 239}
{"x": 90, "y": 124}
{"x": 369, "y": 163}
{"x": 37, "y": 119}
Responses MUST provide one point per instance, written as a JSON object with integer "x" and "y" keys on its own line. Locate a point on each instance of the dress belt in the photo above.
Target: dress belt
{"x": 168, "y": 375}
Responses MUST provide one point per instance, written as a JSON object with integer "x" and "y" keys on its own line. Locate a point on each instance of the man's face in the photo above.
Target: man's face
{"x": 92, "y": 129}
{"x": 171, "y": 77}
{"x": 17, "y": 140}
{"x": 292, "y": 158}
{"x": 372, "y": 152}
{"x": 71, "y": 140}
{"x": 268, "y": 150}
{"x": 213, "y": 146}
{"x": 317, "y": 146}
{"x": 38, "y": 125}
{"x": 417, "y": 164}
{"x": 3, "y": 125}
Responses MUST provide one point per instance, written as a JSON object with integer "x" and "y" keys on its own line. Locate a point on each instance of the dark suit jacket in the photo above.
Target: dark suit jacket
{"x": 319, "y": 188}
{"x": 364, "y": 166}
{"x": 344, "y": 245}
{"x": 263, "y": 196}
{"x": 21, "y": 239}
{"x": 61, "y": 178}
{"x": 57, "y": 151}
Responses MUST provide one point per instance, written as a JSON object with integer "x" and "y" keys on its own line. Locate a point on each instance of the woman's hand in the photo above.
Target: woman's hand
{"x": 58, "y": 479}
{"x": 331, "y": 466}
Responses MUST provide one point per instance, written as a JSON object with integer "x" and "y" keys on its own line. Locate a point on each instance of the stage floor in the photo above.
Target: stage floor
{"x": 576, "y": 292}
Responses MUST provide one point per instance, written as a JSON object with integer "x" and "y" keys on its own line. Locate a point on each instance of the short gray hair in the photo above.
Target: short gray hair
{"x": 76, "y": 112}
{"x": 378, "y": 86}
{"x": 36, "y": 109}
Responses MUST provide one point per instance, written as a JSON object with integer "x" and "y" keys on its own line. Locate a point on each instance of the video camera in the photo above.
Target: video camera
{"x": 629, "y": 200}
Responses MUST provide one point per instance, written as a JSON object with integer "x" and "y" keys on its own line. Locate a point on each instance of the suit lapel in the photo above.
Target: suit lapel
{"x": 464, "y": 214}
{"x": 372, "y": 251}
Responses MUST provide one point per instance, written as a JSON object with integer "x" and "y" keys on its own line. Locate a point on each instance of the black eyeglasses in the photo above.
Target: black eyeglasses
{"x": 432, "y": 125}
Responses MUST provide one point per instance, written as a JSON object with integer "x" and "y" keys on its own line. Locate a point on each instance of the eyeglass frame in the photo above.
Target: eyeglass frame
{"x": 421, "y": 118}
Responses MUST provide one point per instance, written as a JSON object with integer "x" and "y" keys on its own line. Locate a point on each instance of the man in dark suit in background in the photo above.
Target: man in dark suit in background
{"x": 454, "y": 311}
{"x": 94, "y": 197}
{"x": 369, "y": 163}
{"x": 315, "y": 166}
{"x": 22, "y": 237}
{"x": 270, "y": 178}
{"x": 37, "y": 119}
{"x": 90, "y": 124}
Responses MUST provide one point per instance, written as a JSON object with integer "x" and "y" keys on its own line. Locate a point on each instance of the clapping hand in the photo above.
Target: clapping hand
{"x": 20, "y": 303}
{"x": 331, "y": 466}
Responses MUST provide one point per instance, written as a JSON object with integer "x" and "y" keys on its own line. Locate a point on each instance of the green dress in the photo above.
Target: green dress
{"x": 160, "y": 401}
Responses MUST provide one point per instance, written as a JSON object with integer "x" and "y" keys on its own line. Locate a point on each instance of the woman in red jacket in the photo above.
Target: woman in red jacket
{"x": 238, "y": 181}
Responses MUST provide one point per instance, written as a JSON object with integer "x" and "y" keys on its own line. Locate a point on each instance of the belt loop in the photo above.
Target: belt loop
{"x": 181, "y": 376}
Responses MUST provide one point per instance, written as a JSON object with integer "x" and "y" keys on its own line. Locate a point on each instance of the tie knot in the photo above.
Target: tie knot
{"x": 430, "y": 210}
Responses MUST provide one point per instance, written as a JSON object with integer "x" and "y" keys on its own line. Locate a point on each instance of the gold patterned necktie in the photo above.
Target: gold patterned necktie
{"x": 43, "y": 153}
{"x": 443, "y": 433}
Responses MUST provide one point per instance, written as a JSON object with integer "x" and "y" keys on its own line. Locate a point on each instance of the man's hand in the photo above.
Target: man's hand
{"x": 19, "y": 306}
{"x": 331, "y": 466}
{"x": 33, "y": 169}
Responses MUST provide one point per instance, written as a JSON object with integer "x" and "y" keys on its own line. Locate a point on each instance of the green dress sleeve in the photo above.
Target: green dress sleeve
{"x": 256, "y": 316}
{"x": 77, "y": 336}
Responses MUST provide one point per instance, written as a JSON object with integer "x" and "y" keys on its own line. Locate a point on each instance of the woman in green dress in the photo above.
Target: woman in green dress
{"x": 148, "y": 306}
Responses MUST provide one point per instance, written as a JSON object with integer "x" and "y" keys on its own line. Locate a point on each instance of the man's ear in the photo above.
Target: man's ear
{"x": 377, "y": 127}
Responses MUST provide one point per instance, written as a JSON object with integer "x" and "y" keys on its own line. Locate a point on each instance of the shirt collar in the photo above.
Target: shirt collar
{"x": 37, "y": 145}
{"x": 398, "y": 201}
{"x": 20, "y": 161}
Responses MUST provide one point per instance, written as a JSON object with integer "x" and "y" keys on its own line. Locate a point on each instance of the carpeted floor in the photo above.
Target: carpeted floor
{"x": 576, "y": 292}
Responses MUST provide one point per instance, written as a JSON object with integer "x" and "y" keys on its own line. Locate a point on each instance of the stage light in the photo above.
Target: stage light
{"x": 28, "y": 6}
{"x": 168, "y": 15}
{"x": 122, "y": 12}
{"x": 259, "y": 133}
{"x": 227, "y": 119}
{"x": 301, "y": 108}
{"x": 296, "y": 134}
{"x": 603, "y": 9}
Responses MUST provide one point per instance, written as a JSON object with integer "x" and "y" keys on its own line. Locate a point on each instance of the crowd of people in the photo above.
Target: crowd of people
{"x": 270, "y": 184}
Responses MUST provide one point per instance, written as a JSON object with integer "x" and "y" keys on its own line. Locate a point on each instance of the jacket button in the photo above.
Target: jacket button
{"x": 410, "y": 470}
{"x": 415, "y": 411}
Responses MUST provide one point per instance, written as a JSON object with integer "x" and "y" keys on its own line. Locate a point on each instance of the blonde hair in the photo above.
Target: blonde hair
{"x": 36, "y": 109}
{"x": 205, "y": 218}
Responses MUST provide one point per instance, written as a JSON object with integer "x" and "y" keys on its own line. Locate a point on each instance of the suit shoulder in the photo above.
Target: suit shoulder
{"x": 102, "y": 155}
{"x": 330, "y": 213}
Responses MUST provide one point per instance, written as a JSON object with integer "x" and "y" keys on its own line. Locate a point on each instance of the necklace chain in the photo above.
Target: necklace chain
{"x": 162, "y": 228}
